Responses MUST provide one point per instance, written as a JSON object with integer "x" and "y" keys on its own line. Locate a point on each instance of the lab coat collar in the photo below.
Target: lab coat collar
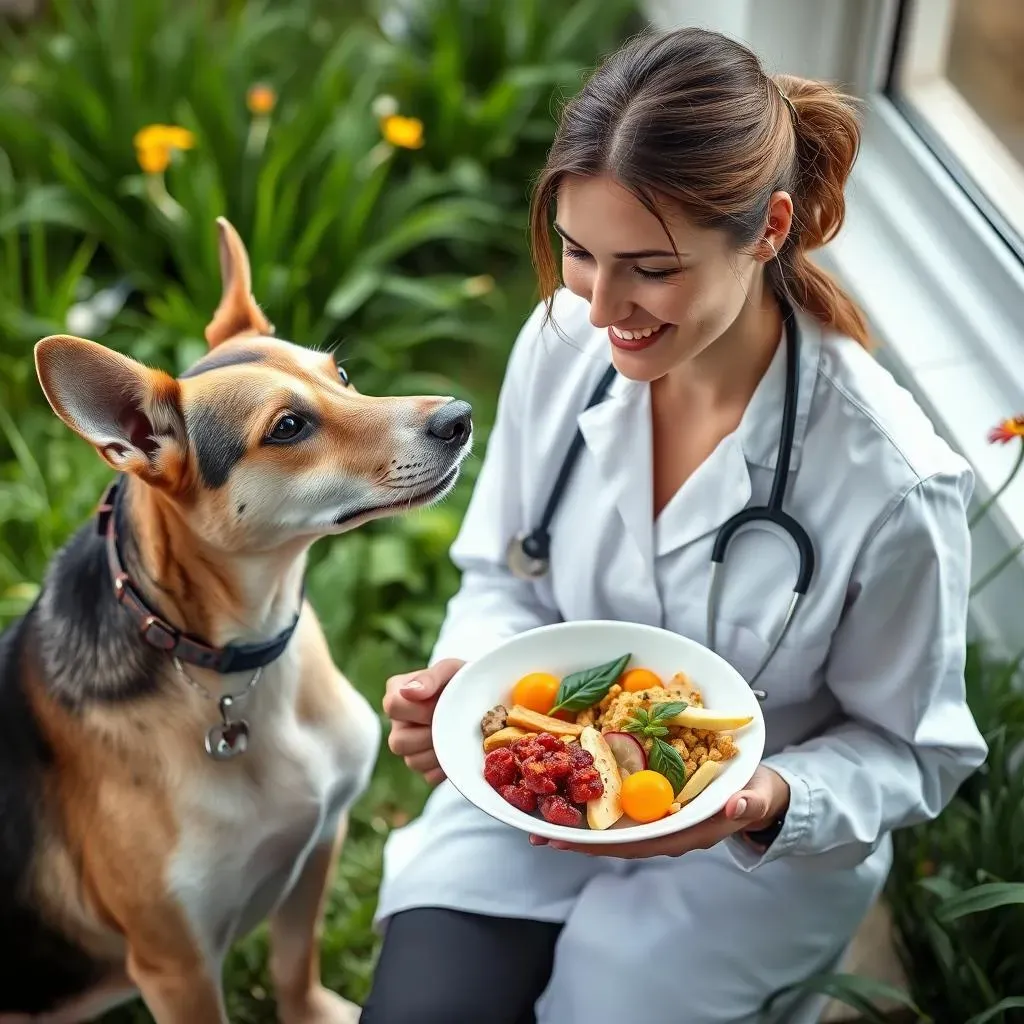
{"x": 761, "y": 424}
{"x": 617, "y": 432}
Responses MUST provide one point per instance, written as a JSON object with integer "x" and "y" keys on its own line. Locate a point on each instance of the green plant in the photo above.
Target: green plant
{"x": 956, "y": 889}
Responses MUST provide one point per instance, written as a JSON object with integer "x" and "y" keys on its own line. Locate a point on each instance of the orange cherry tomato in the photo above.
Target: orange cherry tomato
{"x": 637, "y": 679}
{"x": 536, "y": 691}
{"x": 646, "y": 795}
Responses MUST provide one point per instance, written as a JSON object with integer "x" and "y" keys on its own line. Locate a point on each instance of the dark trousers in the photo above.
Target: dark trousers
{"x": 442, "y": 966}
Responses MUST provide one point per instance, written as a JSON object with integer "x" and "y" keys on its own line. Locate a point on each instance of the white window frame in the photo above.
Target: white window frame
{"x": 943, "y": 291}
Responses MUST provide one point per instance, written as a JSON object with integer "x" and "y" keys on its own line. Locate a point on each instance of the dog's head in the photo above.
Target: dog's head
{"x": 260, "y": 441}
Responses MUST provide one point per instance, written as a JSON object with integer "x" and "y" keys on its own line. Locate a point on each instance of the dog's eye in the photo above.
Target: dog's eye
{"x": 343, "y": 375}
{"x": 287, "y": 428}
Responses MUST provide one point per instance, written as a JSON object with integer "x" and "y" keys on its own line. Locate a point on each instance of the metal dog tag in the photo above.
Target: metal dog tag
{"x": 230, "y": 738}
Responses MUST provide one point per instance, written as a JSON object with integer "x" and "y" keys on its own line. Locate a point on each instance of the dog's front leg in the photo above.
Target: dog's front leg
{"x": 176, "y": 990}
{"x": 295, "y": 944}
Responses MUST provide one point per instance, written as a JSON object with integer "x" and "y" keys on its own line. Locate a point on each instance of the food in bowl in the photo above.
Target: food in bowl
{"x": 606, "y": 745}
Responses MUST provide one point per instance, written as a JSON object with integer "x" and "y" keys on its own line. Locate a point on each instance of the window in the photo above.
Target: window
{"x": 958, "y": 77}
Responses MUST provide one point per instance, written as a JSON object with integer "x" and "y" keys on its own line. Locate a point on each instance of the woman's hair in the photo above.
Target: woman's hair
{"x": 691, "y": 116}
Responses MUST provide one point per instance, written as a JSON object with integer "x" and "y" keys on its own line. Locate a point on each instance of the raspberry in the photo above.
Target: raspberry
{"x": 526, "y": 748}
{"x": 500, "y": 768}
{"x": 557, "y": 763}
{"x": 549, "y": 742}
{"x": 584, "y": 784}
{"x": 519, "y": 796}
{"x": 535, "y": 777}
{"x": 559, "y": 811}
{"x": 580, "y": 758}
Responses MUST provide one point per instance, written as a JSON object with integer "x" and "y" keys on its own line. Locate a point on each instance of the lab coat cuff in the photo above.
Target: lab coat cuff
{"x": 794, "y": 832}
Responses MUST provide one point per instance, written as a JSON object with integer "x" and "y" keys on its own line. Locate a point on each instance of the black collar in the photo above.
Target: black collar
{"x": 159, "y": 633}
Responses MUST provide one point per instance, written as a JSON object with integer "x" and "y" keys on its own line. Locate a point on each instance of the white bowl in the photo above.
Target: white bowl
{"x": 568, "y": 647}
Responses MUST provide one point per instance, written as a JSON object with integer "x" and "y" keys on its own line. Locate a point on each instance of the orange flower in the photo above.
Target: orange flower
{"x": 405, "y": 132}
{"x": 155, "y": 143}
{"x": 1008, "y": 430}
{"x": 261, "y": 100}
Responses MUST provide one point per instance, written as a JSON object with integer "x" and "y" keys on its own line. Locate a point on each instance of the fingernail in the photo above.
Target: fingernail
{"x": 741, "y": 807}
{"x": 413, "y": 684}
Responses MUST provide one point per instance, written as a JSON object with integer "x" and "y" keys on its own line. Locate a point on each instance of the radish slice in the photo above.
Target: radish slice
{"x": 629, "y": 754}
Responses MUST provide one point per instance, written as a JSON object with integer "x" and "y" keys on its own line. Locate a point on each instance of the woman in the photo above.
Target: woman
{"x": 688, "y": 190}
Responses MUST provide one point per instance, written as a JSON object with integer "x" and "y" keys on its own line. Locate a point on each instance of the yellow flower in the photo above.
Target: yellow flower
{"x": 155, "y": 143}
{"x": 154, "y": 159}
{"x": 168, "y": 135}
{"x": 405, "y": 132}
{"x": 261, "y": 100}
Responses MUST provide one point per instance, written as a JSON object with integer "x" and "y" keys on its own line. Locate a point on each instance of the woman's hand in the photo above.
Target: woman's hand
{"x": 766, "y": 797}
{"x": 409, "y": 702}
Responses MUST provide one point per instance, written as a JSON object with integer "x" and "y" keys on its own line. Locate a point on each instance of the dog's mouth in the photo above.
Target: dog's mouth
{"x": 421, "y": 497}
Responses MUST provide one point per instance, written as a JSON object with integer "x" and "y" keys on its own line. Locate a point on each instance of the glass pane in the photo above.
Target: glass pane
{"x": 986, "y": 65}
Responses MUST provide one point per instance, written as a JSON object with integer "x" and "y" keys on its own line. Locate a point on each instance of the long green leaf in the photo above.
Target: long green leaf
{"x": 855, "y": 991}
{"x": 981, "y": 898}
{"x": 1010, "y": 1003}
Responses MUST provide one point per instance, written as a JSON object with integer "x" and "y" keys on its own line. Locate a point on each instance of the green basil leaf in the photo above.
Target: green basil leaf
{"x": 635, "y": 726}
{"x": 656, "y": 730}
{"x": 666, "y": 760}
{"x": 668, "y": 710}
{"x": 585, "y": 688}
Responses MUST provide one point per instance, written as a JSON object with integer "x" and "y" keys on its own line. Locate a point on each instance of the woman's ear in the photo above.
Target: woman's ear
{"x": 780, "y": 223}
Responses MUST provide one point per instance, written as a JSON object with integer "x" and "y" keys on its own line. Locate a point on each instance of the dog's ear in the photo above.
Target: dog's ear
{"x": 238, "y": 312}
{"x": 128, "y": 412}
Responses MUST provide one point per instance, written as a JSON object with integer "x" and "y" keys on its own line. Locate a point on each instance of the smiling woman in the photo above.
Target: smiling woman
{"x": 688, "y": 188}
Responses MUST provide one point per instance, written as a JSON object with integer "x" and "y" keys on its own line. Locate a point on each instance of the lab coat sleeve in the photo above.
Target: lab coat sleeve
{"x": 491, "y": 604}
{"x": 896, "y": 667}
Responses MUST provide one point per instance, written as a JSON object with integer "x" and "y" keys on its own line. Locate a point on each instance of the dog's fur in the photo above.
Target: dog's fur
{"x": 129, "y": 859}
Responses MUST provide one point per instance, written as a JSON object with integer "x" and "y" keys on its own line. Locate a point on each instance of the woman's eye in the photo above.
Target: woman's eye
{"x": 287, "y": 428}
{"x": 575, "y": 254}
{"x": 655, "y": 275}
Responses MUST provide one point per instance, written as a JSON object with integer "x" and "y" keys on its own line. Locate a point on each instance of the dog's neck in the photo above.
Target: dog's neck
{"x": 216, "y": 596}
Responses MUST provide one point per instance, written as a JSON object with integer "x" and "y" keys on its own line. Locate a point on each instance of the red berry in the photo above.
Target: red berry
{"x": 549, "y": 742}
{"x": 557, "y": 763}
{"x": 526, "y": 748}
{"x": 584, "y": 784}
{"x": 500, "y": 768}
{"x": 535, "y": 777}
{"x": 519, "y": 796}
{"x": 559, "y": 811}
{"x": 580, "y": 758}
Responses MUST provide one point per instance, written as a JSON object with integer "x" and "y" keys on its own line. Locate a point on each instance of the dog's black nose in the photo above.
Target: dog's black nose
{"x": 452, "y": 422}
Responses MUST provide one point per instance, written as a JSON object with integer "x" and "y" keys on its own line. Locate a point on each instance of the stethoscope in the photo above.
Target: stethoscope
{"x": 528, "y": 554}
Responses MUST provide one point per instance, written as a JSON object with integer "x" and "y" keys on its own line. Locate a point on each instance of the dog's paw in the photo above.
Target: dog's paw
{"x": 321, "y": 1006}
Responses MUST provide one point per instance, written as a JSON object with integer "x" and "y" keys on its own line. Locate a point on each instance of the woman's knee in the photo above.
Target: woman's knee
{"x": 440, "y": 966}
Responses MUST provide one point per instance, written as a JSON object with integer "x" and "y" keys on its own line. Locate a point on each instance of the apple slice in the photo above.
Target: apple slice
{"x": 699, "y": 781}
{"x": 628, "y": 752}
{"x": 603, "y": 811}
{"x": 711, "y": 721}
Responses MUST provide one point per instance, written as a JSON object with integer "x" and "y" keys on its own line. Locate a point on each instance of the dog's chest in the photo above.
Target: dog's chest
{"x": 248, "y": 828}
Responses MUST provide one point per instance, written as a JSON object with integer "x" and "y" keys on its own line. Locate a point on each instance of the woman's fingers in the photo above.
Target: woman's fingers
{"x": 407, "y": 740}
{"x": 412, "y": 696}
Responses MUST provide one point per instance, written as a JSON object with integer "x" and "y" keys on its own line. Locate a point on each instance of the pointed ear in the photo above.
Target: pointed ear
{"x": 238, "y": 312}
{"x": 128, "y": 412}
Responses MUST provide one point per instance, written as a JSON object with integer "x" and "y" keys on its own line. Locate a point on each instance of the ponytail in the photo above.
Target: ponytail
{"x": 827, "y": 144}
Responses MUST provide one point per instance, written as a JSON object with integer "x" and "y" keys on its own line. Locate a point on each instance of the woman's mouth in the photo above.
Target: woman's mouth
{"x": 636, "y": 339}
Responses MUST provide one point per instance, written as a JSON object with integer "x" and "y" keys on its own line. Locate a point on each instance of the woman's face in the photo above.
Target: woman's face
{"x": 660, "y": 311}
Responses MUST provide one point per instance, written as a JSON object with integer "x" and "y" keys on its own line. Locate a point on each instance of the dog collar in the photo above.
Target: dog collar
{"x": 160, "y": 634}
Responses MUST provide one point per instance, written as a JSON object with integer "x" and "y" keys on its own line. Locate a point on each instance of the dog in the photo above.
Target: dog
{"x": 178, "y": 751}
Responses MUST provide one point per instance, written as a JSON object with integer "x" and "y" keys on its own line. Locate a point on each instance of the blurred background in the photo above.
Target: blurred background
{"x": 376, "y": 157}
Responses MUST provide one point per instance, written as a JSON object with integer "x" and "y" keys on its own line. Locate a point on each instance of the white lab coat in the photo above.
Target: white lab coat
{"x": 866, "y": 717}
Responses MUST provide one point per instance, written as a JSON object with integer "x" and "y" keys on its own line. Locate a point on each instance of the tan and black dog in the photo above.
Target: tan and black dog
{"x": 178, "y": 752}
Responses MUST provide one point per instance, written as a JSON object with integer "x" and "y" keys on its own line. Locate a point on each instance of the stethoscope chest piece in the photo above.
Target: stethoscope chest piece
{"x": 525, "y": 557}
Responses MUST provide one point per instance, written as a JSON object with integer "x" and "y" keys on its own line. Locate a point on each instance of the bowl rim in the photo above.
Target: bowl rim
{"x": 523, "y": 822}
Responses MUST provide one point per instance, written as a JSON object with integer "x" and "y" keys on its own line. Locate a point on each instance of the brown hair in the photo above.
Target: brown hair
{"x": 691, "y": 115}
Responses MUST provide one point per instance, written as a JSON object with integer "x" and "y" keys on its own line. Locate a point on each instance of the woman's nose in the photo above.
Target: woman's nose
{"x": 607, "y": 307}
